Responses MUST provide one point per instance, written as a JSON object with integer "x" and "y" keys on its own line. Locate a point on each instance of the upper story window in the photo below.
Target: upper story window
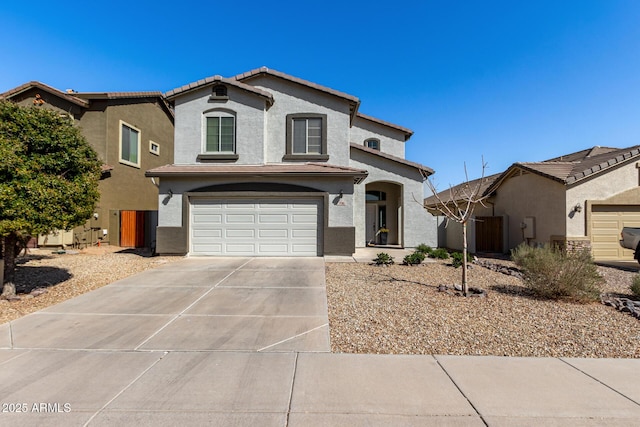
{"x": 372, "y": 143}
{"x": 220, "y": 134}
{"x": 307, "y": 136}
{"x": 129, "y": 145}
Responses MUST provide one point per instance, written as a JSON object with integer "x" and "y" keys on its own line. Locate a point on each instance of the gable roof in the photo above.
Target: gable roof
{"x": 11, "y": 93}
{"x": 458, "y": 190}
{"x": 424, "y": 170}
{"x": 210, "y": 81}
{"x": 575, "y": 167}
{"x": 407, "y": 132}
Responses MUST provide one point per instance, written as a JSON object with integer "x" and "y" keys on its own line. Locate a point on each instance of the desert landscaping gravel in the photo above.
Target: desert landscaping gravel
{"x": 399, "y": 310}
{"x": 393, "y": 310}
{"x": 64, "y": 276}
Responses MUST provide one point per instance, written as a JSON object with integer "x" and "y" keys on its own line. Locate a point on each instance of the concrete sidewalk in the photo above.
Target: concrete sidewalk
{"x": 241, "y": 341}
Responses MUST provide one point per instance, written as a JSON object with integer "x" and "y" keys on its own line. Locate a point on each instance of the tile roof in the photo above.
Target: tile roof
{"x": 218, "y": 79}
{"x": 574, "y": 167}
{"x": 267, "y": 71}
{"x": 457, "y": 192}
{"x": 423, "y": 169}
{"x": 406, "y": 131}
{"x": 38, "y": 85}
{"x": 273, "y": 169}
{"x": 117, "y": 95}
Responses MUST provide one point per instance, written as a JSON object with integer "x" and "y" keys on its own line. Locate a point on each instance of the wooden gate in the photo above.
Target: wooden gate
{"x": 489, "y": 234}
{"x": 132, "y": 229}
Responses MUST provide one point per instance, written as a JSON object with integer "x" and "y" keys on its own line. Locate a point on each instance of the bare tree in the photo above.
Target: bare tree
{"x": 458, "y": 205}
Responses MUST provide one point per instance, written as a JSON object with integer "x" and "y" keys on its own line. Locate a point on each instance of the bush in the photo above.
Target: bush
{"x": 456, "y": 259}
{"x": 415, "y": 258}
{"x": 424, "y": 249}
{"x": 635, "y": 286}
{"x": 440, "y": 253}
{"x": 383, "y": 259}
{"x": 552, "y": 273}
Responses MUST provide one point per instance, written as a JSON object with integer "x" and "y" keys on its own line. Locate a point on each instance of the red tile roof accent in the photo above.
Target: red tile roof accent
{"x": 423, "y": 169}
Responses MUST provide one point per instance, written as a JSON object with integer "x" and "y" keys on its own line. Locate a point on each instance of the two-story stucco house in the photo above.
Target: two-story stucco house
{"x": 131, "y": 132}
{"x": 268, "y": 164}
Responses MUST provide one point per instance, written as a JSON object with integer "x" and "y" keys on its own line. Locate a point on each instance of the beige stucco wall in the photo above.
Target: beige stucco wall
{"x": 530, "y": 195}
{"x": 608, "y": 184}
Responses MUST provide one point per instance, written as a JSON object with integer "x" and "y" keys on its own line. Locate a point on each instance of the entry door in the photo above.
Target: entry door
{"x": 371, "y": 222}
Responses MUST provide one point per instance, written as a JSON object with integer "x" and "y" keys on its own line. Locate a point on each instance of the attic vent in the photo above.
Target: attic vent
{"x": 218, "y": 93}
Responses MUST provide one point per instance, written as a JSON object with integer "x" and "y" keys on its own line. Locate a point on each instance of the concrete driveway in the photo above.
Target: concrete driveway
{"x": 245, "y": 341}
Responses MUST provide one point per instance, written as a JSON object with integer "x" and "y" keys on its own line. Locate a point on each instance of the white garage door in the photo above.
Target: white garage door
{"x": 606, "y": 223}
{"x": 258, "y": 227}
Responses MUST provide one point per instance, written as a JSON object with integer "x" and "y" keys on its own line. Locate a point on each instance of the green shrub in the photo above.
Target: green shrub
{"x": 415, "y": 258}
{"x": 383, "y": 259}
{"x": 635, "y": 286}
{"x": 456, "y": 259}
{"x": 425, "y": 249}
{"x": 552, "y": 273}
{"x": 440, "y": 253}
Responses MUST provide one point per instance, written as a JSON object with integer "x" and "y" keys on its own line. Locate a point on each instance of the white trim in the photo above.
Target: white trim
{"x": 120, "y": 159}
{"x": 155, "y": 151}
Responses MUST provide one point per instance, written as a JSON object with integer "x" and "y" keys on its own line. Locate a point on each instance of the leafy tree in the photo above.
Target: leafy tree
{"x": 458, "y": 206}
{"x": 48, "y": 178}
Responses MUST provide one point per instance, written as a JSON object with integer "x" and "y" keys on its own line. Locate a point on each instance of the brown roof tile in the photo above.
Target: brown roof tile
{"x": 38, "y": 85}
{"x": 218, "y": 79}
{"x": 423, "y": 169}
{"x": 276, "y": 169}
{"x": 456, "y": 192}
{"x": 406, "y": 131}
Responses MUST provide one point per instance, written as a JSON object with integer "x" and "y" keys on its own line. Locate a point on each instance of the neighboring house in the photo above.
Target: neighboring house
{"x": 131, "y": 132}
{"x": 579, "y": 200}
{"x": 273, "y": 165}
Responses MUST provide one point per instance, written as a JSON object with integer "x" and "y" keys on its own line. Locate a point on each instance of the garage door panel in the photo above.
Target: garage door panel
{"x": 268, "y": 227}
{"x": 273, "y": 219}
{"x": 250, "y": 233}
{"x": 606, "y": 223}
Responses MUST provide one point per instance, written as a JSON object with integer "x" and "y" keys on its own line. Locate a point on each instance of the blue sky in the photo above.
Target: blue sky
{"x": 507, "y": 80}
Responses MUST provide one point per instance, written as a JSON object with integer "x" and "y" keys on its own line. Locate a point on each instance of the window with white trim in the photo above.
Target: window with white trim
{"x": 154, "y": 148}
{"x": 129, "y": 145}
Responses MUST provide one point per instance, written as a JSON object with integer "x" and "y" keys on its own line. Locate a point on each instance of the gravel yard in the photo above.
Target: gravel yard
{"x": 399, "y": 310}
{"x": 395, "y": 310}
{"x": 69, "y": 275}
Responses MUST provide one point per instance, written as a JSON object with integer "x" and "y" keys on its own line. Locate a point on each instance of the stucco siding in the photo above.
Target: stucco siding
{"x": 602, "y": 187}
{"x": 291, "y": 98}
{"x": 530, "y": 195}
{"x": 419, "y": 225}
{"x": 190, "y": 124}
{"x": 391, "y": 140}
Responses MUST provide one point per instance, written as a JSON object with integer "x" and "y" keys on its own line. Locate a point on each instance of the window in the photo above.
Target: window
{"x": 219, "y": 91}
{"x": 372, "y": 143}
{"x": 306, "y": 137}
{"x": 375, "y": 196}
{"x": 220, "y": 137}
{"x": 154, "y": 148}
{"x": 129, "y": 145}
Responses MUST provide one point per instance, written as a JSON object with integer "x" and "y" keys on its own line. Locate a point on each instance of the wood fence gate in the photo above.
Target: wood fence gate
{"x": 489, "y": 234}
{"x": 132, "y": 229}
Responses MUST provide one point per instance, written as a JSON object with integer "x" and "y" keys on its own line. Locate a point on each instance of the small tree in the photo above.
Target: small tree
{"x": 458, "y": 205}
{"x": 48, "y": 178}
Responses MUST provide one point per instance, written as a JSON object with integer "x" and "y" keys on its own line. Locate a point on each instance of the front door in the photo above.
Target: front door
{"x": 371, "y": 223}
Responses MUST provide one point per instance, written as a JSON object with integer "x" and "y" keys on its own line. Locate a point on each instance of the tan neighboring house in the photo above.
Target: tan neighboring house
{"x": 581, "y": 199}
{"x": 131, "y": 132}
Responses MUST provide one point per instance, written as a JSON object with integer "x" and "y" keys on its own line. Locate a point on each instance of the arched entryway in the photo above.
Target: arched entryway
{"x": 383, "y": 211}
